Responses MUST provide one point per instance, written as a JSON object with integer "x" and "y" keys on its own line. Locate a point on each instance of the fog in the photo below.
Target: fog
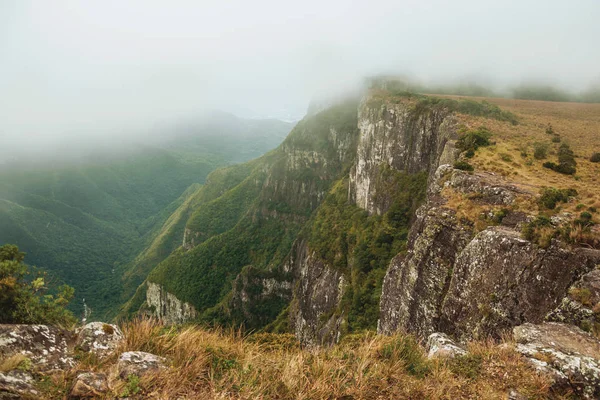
{"x": 106, "y": 69}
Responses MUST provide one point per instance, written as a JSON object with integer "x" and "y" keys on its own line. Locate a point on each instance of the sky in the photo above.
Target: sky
{"x": 101, "y": 68}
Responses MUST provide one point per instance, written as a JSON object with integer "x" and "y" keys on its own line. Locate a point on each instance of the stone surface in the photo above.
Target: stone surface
{"x": 402, "y": 137}
{"x": 167, "y": 307}
{"x": 570, "y": 355}
{"x": 138, "y": 363}
{"x": 581, "y": 306}
{"x": 17, "y": 385}
{"x": 47, "y": 347}
{"x": 440, "y": 345}
{"x": 317, "y": 294}
{"x": 89, "y": 385}
{"x": 99, "y": 338}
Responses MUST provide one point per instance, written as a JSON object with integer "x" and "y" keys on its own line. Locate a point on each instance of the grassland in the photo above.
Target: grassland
{"x": 213, "y": 364}
{"x": 512, "y": 153}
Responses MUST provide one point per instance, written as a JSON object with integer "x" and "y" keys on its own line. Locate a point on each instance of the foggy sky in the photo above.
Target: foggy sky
{"x": 85, "y": 68}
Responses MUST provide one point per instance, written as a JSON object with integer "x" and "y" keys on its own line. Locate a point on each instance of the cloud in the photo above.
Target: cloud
{"x": 91, "y": 67}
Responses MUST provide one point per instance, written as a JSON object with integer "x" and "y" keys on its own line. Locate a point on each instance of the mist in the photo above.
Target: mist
{"x": 100, "y": 70}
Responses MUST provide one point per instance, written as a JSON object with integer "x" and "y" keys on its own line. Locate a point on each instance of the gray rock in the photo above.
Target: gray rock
{"x": 17, "y": 385}
{"x": 99, "y": 338}
{"x": 578, "y": 307}
{"x": 167, "y": 307}
{"x": 441, "y": 345}
{"x": 139, "y": 363}
{"x": 46, "y": 346}
{"x": 570, "y": 355}
{"x": 89, "y": 385}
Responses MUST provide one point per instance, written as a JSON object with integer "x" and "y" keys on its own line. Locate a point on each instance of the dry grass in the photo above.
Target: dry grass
{"x": 577, "y": 124}
{"x": 12, "y": 362}
{"x": 212, "y": 364}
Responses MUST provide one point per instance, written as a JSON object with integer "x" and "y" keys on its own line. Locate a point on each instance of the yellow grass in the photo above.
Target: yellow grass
{"x": 213, "y": 364}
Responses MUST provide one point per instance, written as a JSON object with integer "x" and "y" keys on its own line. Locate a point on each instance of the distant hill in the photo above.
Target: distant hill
{"x": 84, "y": 218}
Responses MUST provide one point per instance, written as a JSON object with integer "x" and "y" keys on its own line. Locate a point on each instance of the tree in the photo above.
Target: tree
{"x": 29, "y": 301}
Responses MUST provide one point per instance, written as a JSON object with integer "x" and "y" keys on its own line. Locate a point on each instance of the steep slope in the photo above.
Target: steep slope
{"x": 84, "y": 219}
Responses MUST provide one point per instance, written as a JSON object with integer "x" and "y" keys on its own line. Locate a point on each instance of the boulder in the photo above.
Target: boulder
{"x": 99, "y": 338}
{"x": 17, "y": 385}
{"x": 89, "y": 385}
{"x": 46, "y": 346}
{"x": 440, "y": 345}
{"x": 138, "y": 363}
{"x": 581, "y": 306}
{"x": 570, "y": 355}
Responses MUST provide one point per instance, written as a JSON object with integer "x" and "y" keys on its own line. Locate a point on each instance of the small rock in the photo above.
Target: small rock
{"x": 17, "y": 385}
{"x": 99, "y": 338}
{"x": 88, "y": 385}
{"x": 46, "y": 346}
{"x": 138, "y": 363}
{"x": 570, "y": 355}
{"x": 440, "y": 345}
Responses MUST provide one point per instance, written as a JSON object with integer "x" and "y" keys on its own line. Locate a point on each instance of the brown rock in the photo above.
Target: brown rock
{"x": 89, "y": 385}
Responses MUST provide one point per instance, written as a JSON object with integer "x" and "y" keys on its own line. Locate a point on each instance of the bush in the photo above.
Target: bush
{"x": 551, "y": 196}
{"x": 463, "y": 165}
{"x": 506, "y": 157}
{"x": 595, "y": 157}
{"x": 26, "y": 302}
{"x": 549, "y": 130}
{"x": 474, "y": 139}
{"x": 566, "y": 161}
{"x": 540, "y": 150}
{"x": 556, "y": 139}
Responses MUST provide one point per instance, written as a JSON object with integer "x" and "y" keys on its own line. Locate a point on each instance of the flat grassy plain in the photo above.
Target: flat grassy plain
{"x": 511, "y": 155}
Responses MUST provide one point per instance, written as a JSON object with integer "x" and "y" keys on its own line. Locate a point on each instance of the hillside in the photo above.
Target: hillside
{"x": 85, "y": 219}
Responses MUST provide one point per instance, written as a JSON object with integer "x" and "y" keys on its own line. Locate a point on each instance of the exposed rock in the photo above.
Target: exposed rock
{"x": 89, "y": 385}
{"x": 571, "y": 355}
{"x": 190, "y": 238}
{"x": 167, "y": 307}
{"x": 440, "y": 345}
{"x": 258, "y": 296}
{"x": 46, "y": 346}
{"x": 99, "y": 338}
{"x": 500, "y": 280}
{"x": 581, "y": 305}
{"x": 317, "y": 294}
{"x": 415, "y": 284}
{"x": 138, "y": 363}
{"x": 403, "y": 137}
{"x": 17, "y": 385}
{"x": 485, "y": 187}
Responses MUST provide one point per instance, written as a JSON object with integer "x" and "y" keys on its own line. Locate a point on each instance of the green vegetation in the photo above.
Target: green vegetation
{"x": 550, "y": 197}
{"x": 101, "y": 224}
{"x": 474, "y": 139}
{"x": 249, "y": 227}
{"x": 463, "y": 165}
{"x": 566, "y": 161}
{"x": 361, "y": 245}
{"x": 25, "y": 300}
{"x": 595, "y": 158}
{"x": 540, "y": 150}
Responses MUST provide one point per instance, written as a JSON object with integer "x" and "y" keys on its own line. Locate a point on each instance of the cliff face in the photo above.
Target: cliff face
{"x": 469, "y": 284}
{"x": 166, "y": 307}
{"x": 403, "y": 136}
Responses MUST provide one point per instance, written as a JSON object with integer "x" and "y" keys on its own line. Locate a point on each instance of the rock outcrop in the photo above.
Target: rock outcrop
{"x": 401, "y": 136}
{"x": 317, "y": 294}
{"x": 17, "y": 385}
{"x": 569, "y": 355}
{"x": 166, "y": 307}
{"x": 89, "y": 385}
{"x": 475, "y": 285}
{"x": 138, "y": 363}
{"x": 441, "y": 345}
{"x": 99, "y": 338}
{"x": 47, "y": 347}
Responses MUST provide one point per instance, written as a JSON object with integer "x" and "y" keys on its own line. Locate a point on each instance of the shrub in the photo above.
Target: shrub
{"x": 540, "y": 150}
{"x": 26, "y": 301}
{"x": 566, "y": 161}
{"x": 549, "y": 130}
{"x": 582, "y": 295}
{"x": 556, "y": 139}
{"x": 473, "y": 139}
{"x": 506, "y": 157}
{"x": 551, "y": 196}
{"x": 539, "y": 231}
{"x": 463, "y": 165}
{"x": 595, "y": 158}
